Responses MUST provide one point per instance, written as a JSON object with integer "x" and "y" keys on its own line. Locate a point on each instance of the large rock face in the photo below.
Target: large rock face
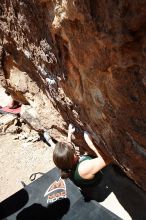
{"x": 88, "y": 59}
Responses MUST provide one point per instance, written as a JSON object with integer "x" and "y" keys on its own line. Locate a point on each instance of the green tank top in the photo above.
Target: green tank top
{"x": 78, "y": 180}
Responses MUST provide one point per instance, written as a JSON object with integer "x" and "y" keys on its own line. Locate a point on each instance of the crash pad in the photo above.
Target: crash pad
{"x": 50, "y": 197}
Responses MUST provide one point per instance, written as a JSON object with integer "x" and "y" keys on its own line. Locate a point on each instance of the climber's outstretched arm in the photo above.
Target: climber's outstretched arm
{"x": 90, "y": 143}
{"x": 88, "y": 140}
{"x": 71, "y": 130}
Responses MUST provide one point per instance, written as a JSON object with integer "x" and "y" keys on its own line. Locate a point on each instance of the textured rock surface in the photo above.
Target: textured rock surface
{"x": 87, "y": 58}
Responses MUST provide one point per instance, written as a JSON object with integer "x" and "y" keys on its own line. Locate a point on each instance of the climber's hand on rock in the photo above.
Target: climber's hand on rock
{"x": 71, "y": 129}
{"x": 87, "y": 136}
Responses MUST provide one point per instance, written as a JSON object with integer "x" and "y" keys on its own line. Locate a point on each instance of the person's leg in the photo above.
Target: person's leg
{"x": 49, "y": 139}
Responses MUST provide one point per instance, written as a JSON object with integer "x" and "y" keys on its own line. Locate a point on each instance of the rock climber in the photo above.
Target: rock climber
{"x": 84, "y": 171}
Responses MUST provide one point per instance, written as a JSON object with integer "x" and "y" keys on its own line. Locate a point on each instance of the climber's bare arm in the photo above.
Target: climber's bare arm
{"x": 71, "y": 130}
{"x": 90, "y": 144}
{"x": 88, "y": 168}
{"x": 100, "y": 156}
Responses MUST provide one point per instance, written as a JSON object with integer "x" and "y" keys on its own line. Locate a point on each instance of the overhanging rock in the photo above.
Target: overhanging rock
{"x": 88, "y": 59}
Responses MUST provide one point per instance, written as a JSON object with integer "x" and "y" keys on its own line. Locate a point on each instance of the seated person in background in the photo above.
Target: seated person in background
{"x": 12, "y": 103}
{"x": 84, "y": 171}
{"x": 11, "y": 106}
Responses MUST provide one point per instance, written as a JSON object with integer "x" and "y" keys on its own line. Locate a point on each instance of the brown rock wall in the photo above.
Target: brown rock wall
{"x": 88, "y": 57}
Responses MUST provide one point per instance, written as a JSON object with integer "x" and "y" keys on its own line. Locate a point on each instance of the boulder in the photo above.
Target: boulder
{"x": 81, "y": 62}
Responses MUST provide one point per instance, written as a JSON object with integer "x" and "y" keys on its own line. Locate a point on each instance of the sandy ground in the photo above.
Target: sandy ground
{"x": 18, "y": 160}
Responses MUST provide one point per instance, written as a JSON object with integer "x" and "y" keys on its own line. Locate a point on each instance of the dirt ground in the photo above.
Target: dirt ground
{"x": 20, "y": 157}
{"x": 18, "y": 160}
